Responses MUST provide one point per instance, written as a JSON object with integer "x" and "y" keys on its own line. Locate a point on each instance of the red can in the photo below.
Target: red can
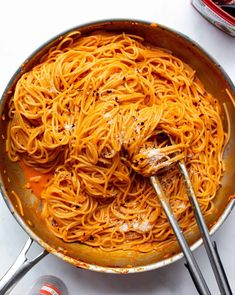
{"x": 48, "y": 285}
{"x": 215, "y": 14}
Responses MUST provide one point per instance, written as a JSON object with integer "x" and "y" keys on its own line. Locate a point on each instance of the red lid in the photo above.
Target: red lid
{"x": 49, "y": 289}
{"x": 226, "y": 16}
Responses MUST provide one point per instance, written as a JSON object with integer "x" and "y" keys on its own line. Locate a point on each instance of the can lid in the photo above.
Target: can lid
{"x": 49, "y": 289}
{"x": 219, "y": 11}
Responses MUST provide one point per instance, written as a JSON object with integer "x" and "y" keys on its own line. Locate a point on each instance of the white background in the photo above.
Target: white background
{"x": 25, "y": 25}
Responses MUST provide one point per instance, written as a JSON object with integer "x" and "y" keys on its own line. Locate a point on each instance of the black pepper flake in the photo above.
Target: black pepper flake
{"x": 142, "y": 123}
{"x": 97, "y": 93}
{"x": 124, "y": 78}
{"x": 116, "y": 99}
{"x": 91, "y": 238}
{"x": 109, "y": 91}
{"x": 54, "y": 223}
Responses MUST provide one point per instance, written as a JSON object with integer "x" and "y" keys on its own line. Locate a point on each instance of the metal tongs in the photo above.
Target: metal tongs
{"x": 210, "y": 246}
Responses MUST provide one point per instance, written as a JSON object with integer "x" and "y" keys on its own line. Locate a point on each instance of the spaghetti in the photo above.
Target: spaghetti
{"x": 93, "y": 114}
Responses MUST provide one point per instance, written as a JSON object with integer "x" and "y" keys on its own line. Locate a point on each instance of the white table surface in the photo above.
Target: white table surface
{"x": 24, "y": 25}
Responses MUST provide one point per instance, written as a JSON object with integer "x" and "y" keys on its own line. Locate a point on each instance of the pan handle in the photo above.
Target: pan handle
{"x": 19, "y": 268}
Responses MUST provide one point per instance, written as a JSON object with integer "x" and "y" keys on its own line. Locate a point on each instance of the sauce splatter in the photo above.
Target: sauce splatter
{"x": 31, "y": 175}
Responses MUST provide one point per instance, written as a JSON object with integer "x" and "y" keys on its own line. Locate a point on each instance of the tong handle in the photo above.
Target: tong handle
{"x": 211, "y": 248}
{"x": 193, "y": 278}
{"x": 222, "y": 268}
{"x": 221, "y": 265}
{"x": 192, "y": 265}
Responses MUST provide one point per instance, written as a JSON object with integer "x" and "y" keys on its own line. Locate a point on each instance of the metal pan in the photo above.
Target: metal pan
{"x": 12, "y": 178}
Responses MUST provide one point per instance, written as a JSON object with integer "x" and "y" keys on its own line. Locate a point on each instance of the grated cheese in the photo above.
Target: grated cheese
{"x": 52, "y": 90}
{"x": 108, "y": 154}
{"x": 153, "y": 154}
{"x": 68, "y": 127}
{"x": 107, "y": 115}
{"x": 181, "y": 205}
{"x": 124, "y": 227}
{"x": 143, "y": 226}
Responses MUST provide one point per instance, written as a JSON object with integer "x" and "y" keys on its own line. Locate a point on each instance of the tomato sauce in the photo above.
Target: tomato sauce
{"x": 35, "y": 180}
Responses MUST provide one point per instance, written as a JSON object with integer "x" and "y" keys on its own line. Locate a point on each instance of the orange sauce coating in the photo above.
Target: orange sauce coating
{"x": 30, "y": 173}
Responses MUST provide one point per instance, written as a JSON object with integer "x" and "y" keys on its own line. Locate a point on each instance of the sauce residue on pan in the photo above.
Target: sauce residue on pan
{"x": 35, "y": 180}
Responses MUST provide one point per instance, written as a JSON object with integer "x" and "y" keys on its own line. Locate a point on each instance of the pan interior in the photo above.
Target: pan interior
{"x": 12, "y": 178}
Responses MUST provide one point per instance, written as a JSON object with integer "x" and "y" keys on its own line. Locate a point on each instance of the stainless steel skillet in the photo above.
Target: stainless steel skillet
{"x": 11, "y": 176}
